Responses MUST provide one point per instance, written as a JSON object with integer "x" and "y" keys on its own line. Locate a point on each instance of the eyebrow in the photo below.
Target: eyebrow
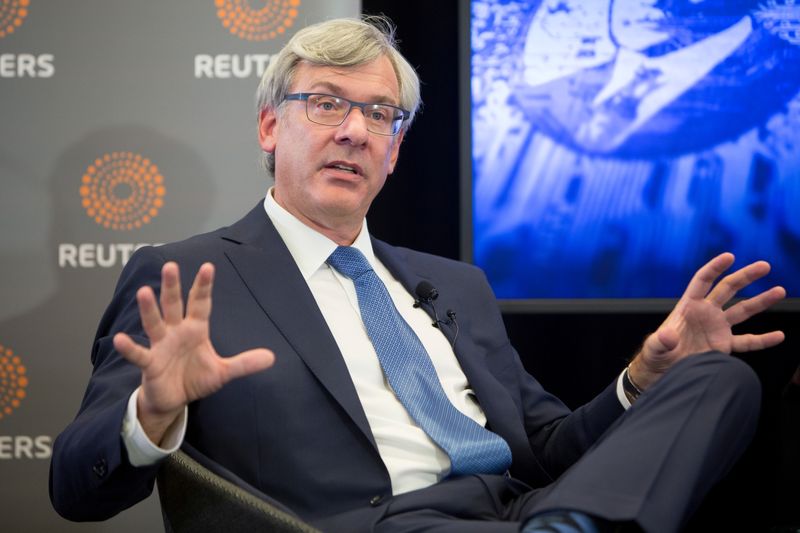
{"x": 337, "y": 90}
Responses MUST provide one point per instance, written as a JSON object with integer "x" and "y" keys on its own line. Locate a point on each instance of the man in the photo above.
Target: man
{"x": 329, "y": 424}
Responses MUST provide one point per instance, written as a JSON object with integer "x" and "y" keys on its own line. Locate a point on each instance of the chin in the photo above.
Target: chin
{"x": 343, "y": 205}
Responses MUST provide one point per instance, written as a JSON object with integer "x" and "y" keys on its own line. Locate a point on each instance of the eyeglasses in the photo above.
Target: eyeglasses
{"x": 330, "y": 110}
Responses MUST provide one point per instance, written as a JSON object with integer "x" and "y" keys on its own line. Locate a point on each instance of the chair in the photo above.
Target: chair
{"x": 197, "y": 495}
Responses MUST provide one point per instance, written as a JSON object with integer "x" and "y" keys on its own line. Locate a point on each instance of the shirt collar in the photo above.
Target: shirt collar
{"x": 700, "y": 56}
{"x": 309, "y": 248}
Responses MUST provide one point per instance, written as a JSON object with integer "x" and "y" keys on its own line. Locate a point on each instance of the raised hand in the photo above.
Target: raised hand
{"x": 180, "y": 365}
{"x": 700, "y": 323}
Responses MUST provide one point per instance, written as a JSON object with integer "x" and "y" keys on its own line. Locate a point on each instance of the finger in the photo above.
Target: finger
{"x": 249, "y": 362}
{"x": 199, "y": 304}
{"x": 130, "y": 350}
{"x": 704, "y": 278}
{"x": 733, "y": 283}
{"x": 751, "y": 342}
{"x": 741, "y": 311}
{"x": 149, "y": 313}
{"x": 171, "y": 297}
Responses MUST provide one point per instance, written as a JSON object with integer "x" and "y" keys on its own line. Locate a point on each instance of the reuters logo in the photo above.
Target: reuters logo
{"x": 12, "y": 13}
{"x": 271, "y": 19}
{"x": 122, "y": 191}
{"x": 12, "y": 381}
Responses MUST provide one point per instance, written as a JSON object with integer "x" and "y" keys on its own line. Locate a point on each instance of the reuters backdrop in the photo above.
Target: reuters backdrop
{"x": 123, "y": 124}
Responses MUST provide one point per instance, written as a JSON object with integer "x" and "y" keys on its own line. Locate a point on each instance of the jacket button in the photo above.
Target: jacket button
{"x": 100, "y": 468}
{"x": 375, "y": 500}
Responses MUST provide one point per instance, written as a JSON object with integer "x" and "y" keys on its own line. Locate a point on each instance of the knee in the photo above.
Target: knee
{"x": 733, "y": 371}
{"x": 730, "y": 377}
{"x": 737, "y": 372}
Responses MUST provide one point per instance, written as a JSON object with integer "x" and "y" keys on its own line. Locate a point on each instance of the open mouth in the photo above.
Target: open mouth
{"x": 344, "y": 167}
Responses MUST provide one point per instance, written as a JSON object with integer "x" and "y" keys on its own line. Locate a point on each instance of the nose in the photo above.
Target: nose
{"x": 354, "y": 128}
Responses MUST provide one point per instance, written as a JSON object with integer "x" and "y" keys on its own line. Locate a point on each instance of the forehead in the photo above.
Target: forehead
{"x": 372, "y": 81}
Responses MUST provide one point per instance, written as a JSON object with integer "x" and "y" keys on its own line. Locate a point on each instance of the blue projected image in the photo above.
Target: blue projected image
{"x": 618, "y": 145}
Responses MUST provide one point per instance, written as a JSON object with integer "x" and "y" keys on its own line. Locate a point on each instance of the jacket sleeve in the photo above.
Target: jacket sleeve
{"x": 558, "y": 436}
{"x": 560, "y": 442}
{"x": 90, "y": 476}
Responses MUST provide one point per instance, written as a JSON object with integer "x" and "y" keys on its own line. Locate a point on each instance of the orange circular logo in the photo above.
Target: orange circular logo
{"x": 122, "y": 191}
{"x": 12, "y": 381}
{"x": 266, "y": 21}
{"x": 12, "y": 13}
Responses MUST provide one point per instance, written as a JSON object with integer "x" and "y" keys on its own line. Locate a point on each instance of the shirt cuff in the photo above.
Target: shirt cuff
{"x": 141, "y": 450}
{"x": 621, "y": 392}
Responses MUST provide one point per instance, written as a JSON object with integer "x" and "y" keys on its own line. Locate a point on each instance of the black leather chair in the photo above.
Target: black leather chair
{"x": 197, "y": 495}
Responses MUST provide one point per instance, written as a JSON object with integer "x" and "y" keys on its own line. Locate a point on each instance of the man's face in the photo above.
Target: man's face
{"x": 637, "y": 24}
{"x": 310, "y": 182}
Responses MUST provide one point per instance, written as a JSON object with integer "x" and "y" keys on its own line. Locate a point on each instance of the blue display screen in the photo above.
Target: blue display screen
{"x": 618, "y": 145}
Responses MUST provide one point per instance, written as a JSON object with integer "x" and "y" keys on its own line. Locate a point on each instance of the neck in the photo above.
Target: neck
{"x": 340, "y": 235}
{"x": 343, "y": 233}
{"x": 341, "y": 230}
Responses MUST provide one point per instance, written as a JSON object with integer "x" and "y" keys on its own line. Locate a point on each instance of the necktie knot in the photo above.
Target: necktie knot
{"x": 349, "y": 261}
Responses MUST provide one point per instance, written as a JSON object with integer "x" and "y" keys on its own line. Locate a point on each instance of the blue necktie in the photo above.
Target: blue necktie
{"x": 472, "y": 448}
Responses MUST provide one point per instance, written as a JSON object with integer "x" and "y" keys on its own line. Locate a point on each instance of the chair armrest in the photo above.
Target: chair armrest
{"x": 195, "y": 498}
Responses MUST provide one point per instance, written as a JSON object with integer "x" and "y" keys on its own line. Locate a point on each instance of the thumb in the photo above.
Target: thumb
{"x": 130, "y": 350}
{"x": 249, "y": 362}
{"x": 662, "y": 341}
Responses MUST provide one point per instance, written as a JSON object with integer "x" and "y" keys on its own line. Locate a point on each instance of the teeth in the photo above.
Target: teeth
{"x": 342, "y": 167}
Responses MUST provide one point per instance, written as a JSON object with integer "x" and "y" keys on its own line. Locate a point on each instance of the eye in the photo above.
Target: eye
{"x": 327, "y": 104}
{"x": 379, "y": 114}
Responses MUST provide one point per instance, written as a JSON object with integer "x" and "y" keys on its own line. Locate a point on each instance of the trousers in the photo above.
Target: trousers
{"x": 652, "y": 467}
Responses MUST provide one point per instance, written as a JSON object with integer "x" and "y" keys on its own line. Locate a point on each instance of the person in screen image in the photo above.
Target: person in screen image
{"x": 656, "y": 77}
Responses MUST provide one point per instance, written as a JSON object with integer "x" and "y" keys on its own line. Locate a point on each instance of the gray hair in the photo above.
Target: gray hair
{"x": 337, "y": 43}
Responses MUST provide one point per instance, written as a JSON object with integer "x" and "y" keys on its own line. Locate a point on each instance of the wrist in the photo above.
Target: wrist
{"x": 154, "y": 423}
{"x": 641, "y": 374}
{"x": 629, "y": 387}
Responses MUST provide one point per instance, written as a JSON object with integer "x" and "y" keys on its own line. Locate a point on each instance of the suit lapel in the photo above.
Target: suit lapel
{"x": 397, "y": 261}
{"x": 492, "y": 396}
{"x": 265, "y": 265}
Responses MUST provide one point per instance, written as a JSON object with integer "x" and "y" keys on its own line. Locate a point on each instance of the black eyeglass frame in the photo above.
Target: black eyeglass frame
{"x": 404, "y": 114}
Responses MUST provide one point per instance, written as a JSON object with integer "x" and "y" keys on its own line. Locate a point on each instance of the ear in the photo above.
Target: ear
{"x": 268, "y": 129}
{"x": 395, "y": 150}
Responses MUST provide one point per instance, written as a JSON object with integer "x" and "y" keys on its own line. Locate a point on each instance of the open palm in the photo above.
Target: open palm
{"x": 181, "y": 365}
{"x": 700, "y": 322}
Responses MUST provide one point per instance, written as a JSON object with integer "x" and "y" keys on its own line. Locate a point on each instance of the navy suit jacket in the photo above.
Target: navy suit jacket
{"x": 297, "y": 431}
